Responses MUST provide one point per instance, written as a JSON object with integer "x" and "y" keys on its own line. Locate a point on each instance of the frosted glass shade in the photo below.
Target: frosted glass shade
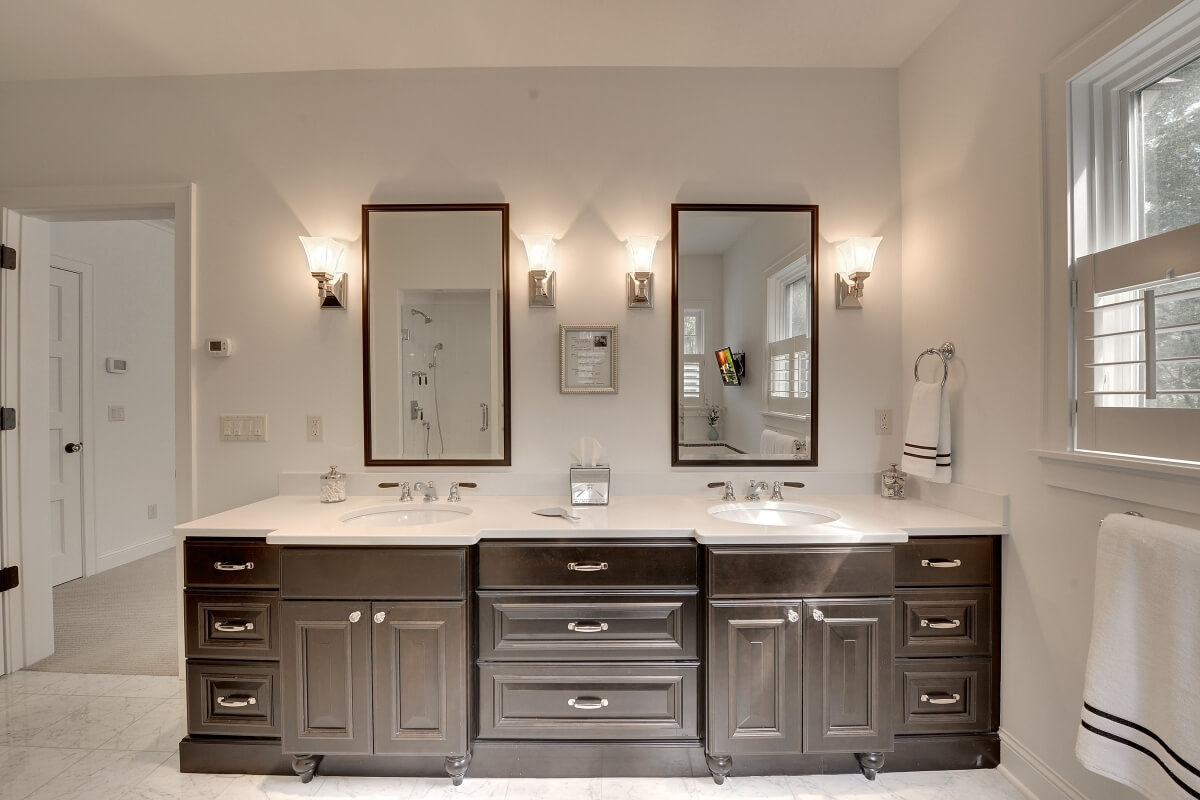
{"x": 641, "y": 252}
{"x": 324, "y": 254}
{"x": 857, "y": 254}
{"x": 539, "y": 248}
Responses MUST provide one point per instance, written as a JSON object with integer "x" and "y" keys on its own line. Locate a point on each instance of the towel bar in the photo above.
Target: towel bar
{"x": 945, "y": 352}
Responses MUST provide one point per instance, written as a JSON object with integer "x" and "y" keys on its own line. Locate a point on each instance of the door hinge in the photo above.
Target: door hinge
{"x": 1074, "y": 293}
{"x": 8, "y": 257}
{"x": 8, "y": 419}
{"x": 10, "y": 578}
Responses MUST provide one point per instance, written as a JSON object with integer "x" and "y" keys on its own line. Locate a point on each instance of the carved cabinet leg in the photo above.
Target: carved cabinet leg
{"x": 306, "y": 766}
{"x": 719, "y": 766}
{"x": 870, "y": 764}
{"x": 456, "y": 768}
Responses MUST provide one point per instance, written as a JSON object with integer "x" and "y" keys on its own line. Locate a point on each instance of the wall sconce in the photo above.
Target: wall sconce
{"x": 325, "y": 263}
{"x": 639, "y": 287}
{"x": 539, "y": 248}
{"x": 856, "y": 259}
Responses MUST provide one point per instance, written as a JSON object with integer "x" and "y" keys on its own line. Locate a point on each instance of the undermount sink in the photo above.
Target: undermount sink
{"x": 773, "y": 512}
{"x": 406, "y": 515}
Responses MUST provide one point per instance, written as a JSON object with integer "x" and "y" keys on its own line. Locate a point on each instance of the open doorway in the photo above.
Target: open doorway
{"x": 133, "y": 444}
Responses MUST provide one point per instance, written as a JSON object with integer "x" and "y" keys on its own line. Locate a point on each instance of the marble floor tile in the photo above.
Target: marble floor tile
{"x": 554, "y": 788}
{"x": 443, "y": 789}
{"x": 337, "y": 787}
{"x": 28, "y": 682}
{"x": 24, "y": 719}
{"x": 159, "y": 730}
{"x": 166, "y": 782}
{"x": 93, "y": 685}
{"x": 93, "y": 721}
{"x": 25, "y": 769}
{"x": 101, "y": 775}
{"x": 162, "y": 686}
{"x": 271, "y": 787}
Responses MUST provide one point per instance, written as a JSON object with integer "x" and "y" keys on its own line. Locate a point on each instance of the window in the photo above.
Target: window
{"x": 1134, "y": 119}
{"x": 692, "y": 342}
{"x": 788, "y": 344}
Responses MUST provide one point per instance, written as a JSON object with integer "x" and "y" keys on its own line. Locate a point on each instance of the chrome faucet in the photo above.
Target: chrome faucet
{"x": 777, "y": 491}
{"x": 729, "y": 496}
{"x": 405, "y": 493}
{"x": 754, "y": 488}
{"x": 429, "y": 489}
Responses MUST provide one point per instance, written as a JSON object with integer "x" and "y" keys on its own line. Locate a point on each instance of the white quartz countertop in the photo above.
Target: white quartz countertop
{"x": 296, "y": 519}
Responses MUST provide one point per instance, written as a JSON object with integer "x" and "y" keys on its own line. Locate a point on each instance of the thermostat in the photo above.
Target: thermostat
{"x": 220, "y": 347}
{"x": 115, "y": 365}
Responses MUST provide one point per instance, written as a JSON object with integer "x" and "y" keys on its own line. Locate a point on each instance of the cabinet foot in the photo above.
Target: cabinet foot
{"x": 456, "y": 768}
{"x": 719, "y": 766}
{"x": 870, "y": 764}
{"x": 306, "y": 766}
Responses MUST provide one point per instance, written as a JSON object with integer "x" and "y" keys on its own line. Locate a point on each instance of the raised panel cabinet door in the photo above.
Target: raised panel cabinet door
{"x": 848, "y": 676}
{"x": 420, "y": 677}
{"x": 326, "y": 677}
{"x": 754, "y": 671}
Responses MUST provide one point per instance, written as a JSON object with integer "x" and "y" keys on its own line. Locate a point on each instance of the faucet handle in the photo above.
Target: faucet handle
{"x": 777, "y": 491}
{"x": 729, "y": 496}
{"x": 405, "y": 493}
{"x": 454, "y": 496}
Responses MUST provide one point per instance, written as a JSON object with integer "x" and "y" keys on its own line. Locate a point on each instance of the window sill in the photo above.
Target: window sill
{"x": 1145, "y": 481}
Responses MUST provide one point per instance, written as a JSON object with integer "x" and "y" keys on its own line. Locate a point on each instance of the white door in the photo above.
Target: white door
{"x": 66, "y": 465}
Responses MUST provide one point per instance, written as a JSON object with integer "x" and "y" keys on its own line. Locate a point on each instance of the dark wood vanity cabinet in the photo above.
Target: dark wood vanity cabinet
{"x": 383, "y": 671}
{"x": 791, "y": 669}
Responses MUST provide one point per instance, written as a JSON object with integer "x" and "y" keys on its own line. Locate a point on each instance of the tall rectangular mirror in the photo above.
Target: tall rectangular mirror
{"x": 435, "y": 334}
{"x": 744, "y": 335}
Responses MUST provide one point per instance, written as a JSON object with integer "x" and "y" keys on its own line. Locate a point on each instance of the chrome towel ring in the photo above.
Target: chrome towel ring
{"x": 945, "y": 353}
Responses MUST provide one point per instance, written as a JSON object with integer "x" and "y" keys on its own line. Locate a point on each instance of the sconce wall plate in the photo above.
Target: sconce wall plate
{"x": 849, "y": 289}
{"x": 639, "y": 289}
{"x": 541, "y": 288}
{"x": 331, "y": 289}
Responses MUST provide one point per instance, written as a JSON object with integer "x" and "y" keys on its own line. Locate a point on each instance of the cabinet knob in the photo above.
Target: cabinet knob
{"x": 355, "y": 616}
{"x": 793, "y": 615}
{"x": 818, "y": 615}
{"x": 379, "y": 617}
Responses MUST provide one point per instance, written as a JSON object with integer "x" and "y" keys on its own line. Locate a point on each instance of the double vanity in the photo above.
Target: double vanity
{"x": 657, "y": 636}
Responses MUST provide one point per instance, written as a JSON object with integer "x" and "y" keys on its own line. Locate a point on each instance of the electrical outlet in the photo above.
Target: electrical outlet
{"x": 316, "y": 428}
{"x": 152, "y": 511}
{"x": 883, "y": 421}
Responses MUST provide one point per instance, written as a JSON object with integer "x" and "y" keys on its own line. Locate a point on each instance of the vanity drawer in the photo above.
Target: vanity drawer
{"x": 233, "y": 699}
{"x": 241, "y": 563}
{"x": 231, "y": 625}
{"x": 617, "y": 627}
{"x": 861, "y": 570}
{"x": 964, "y": 561}
{"x": 375, "y": 573}
{"x": 555, "y": 701}
{"x": 945, "y": 696}
{"x": 943, "y": 622}
{"x": 587, "y": 565}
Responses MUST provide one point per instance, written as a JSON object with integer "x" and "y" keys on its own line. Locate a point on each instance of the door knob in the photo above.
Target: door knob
{"x": 73, "y": 447}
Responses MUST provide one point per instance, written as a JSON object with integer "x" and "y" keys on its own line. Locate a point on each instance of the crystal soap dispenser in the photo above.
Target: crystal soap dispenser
{"x": 333, "y": 486}
{"x": 892, "y": 483}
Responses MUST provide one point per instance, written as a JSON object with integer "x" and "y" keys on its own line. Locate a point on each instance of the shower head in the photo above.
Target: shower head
{"x": 437, "y": 347}
{"x": 418, "y": 313}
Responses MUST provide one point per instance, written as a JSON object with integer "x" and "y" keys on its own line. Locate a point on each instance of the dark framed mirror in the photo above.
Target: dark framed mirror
{"x": 744, "y": 335}
{"x": 435, "y": 335}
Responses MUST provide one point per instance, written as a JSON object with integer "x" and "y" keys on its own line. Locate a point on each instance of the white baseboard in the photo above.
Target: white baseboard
{"x": 1032, "y": 776}
{"x": 133, "y": 552}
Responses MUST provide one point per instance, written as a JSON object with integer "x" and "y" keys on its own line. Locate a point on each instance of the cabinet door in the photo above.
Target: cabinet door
{"x": 326, "y": 676}
{"x": 848, "y": 676}
{"x": 420, "y": 677}
{"x": 754, "y": 677}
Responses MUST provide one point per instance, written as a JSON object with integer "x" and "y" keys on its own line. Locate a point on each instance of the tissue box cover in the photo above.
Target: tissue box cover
{"x": 589, "y": 486}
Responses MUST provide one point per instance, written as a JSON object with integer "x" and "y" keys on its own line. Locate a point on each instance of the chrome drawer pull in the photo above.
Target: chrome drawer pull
{"x": 225, "y": 566}
{"x": 237, "y": 702}
{"x": 587, "y": 566}
{"x": 587, "y": 627}
{"x": 233, "y": 627}
{"x": 941, "y": 563}
{"x": 941, "y": 699}
{"x": 941, "y": 624}
{"x": 587, "y": 703}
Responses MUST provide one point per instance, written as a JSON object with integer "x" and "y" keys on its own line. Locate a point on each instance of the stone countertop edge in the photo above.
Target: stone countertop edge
{"x": 863, "y": 519}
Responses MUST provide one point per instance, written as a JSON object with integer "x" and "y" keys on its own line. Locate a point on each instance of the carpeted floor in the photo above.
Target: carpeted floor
{"x": 120, "y": 622}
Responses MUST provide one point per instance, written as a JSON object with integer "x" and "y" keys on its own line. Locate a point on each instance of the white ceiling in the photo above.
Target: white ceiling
{"x": 46, "y": 39}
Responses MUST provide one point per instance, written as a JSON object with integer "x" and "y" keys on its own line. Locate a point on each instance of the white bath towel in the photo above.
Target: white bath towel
{"x": 941, "y": 473}
{"x": 922, "y": 431}
{"x": 1141, "y": 698}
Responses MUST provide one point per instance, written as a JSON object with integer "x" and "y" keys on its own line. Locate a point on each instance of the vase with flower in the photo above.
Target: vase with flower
{"x": 714, "y": 416}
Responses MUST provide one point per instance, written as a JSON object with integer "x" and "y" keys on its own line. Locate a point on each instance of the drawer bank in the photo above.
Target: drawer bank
{"x": 588, "y": 657}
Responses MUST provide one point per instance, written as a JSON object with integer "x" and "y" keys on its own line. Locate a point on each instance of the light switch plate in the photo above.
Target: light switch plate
{"x": 243, "y": 428}
{"x": 116, "y": 413}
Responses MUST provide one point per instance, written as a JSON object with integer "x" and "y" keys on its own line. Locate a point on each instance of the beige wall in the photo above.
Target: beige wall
{"x": 975, "y": 273}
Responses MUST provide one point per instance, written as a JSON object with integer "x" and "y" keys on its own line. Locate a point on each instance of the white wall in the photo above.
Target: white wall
{"x": 974, "y": 273}
{"x": 132, "y": 265}
{"x": 591, "y": 155}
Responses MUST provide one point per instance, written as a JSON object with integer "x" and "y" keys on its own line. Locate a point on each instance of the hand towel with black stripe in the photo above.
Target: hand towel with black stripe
{"x": 941, "y": 473}
{"x": 1141, "y": 699}
{"x": 922, "y": 431}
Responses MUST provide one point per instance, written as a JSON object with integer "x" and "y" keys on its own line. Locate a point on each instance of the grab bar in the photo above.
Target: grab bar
{"x": 484, "y": 406}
